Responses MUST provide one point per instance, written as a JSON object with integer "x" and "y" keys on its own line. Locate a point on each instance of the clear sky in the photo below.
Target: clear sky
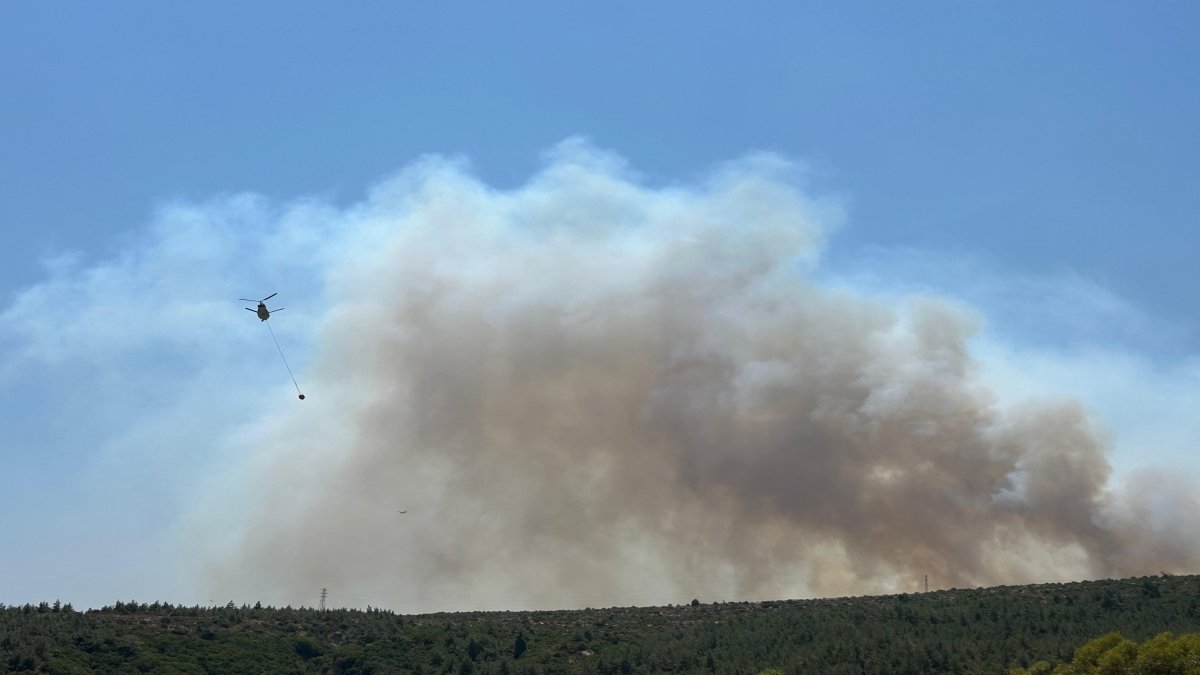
{"x": 1035, "y": 162}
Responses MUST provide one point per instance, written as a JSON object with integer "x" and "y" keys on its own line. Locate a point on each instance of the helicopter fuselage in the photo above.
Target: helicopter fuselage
{"x": 262, "y": 311}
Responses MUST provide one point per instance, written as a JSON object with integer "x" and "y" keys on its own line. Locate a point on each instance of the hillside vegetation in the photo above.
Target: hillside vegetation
{"x": 1112, "y": 654}
{"x": 958, "y": 631}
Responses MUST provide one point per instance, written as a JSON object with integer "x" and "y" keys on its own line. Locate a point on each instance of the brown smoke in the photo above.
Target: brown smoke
{"x": 591, "y": 392}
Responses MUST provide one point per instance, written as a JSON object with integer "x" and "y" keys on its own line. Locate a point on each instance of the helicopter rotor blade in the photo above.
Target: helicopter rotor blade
{"x": 277, "y": 310}
{"x": 247, "y": 300}
{"x": 269, "y": 296}
{"x": 250, "y": 309}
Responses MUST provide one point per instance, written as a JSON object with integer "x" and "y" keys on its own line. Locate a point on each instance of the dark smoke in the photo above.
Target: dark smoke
{"x": 592, "y": 392}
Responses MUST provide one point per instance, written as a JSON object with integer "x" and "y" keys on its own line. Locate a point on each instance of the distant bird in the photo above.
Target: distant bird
{"x": 404, "y": 511}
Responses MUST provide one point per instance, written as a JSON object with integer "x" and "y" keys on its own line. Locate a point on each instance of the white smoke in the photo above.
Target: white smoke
{"x": 590, "y": 391}
{"x": 584, "y": 391}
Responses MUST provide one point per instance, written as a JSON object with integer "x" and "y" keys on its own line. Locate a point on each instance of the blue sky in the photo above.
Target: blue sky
{"x": 1035, "y": 162}
{"x": 1042, "y": 136}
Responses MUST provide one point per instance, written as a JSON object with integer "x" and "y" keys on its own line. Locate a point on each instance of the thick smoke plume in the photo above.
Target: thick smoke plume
{"x": 590, "y": 392}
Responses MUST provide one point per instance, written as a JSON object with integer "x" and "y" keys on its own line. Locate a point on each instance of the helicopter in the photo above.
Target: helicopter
{"x": 264, "y": 314}
{"x": 262, "y": 311}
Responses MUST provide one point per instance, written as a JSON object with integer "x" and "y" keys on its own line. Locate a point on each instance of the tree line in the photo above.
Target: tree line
{"x": 992, "y": 630}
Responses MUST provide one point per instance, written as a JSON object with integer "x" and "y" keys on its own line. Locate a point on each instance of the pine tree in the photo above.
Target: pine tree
{"x": 519, "y": 646}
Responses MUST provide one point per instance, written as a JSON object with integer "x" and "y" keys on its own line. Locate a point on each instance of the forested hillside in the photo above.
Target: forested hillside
{"x": 956, "y": 631}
